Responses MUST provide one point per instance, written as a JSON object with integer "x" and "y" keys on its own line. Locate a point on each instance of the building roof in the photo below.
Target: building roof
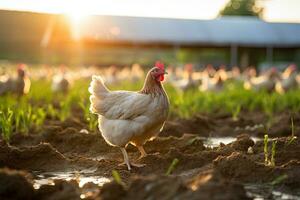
{"x": 224, "y": 31}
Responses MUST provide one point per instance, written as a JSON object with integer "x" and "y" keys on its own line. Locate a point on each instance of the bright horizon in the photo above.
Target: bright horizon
{"x": 275, "y": 10}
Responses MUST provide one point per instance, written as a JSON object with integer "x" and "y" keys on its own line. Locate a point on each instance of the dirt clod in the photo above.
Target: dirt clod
{"x": 14, "y": 185}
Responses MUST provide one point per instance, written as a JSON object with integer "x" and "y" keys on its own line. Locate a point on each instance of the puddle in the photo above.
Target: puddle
{"x": 250, "y": 128}
{"x": 81, "y": 178}
{"x": 267, "y": 192}
{"x": 215, "y": 141}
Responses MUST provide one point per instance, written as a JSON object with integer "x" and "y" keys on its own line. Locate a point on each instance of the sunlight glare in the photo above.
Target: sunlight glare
{"x": 76, "y": 16}
{"x": 275, "y": 10}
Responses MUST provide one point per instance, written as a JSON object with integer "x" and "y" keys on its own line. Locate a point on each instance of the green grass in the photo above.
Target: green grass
{"x": 273, "y": 153}
{"x": 21, "y": 114}
{"x": 6, "y": 120}
{"x": 90, "y": 118}
{"x": 266, "y": 153}
{"x": 278, "y": 180}
{"x": 269, "y": 159}
{"x": 292, "y": 137}
{"x": 117, "y": 177}
{"x": 172, "y": 166}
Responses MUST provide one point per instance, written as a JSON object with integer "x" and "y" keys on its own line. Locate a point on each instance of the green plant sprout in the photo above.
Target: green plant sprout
{"x": 269, "y": 161}
{"x": 272, "y": 162}
{"x": 292, "y": 138}
{"x": 6, "y": 121}
{"x": 279, "y": 179}
{"x": 236, "y": 113}
{"x": 65, "y": 109}
{"x": 172, "y": 166}
{"x": 26, "y": 119}
{"x": 51, "y": 111}
{"x": 117, "y": 177}
{"x": 266, "y": 140}
{"x": 39, "y": 116}
{"x": 88, "y": 116}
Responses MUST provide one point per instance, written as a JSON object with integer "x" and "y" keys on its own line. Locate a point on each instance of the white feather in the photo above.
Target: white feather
{"x": 124, "y": 115}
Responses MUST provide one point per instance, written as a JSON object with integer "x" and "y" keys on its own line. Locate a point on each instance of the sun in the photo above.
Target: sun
{"x": 76, "y": 19}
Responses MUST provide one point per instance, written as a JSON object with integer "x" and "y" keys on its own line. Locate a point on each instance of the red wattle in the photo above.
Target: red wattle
{"x": 161, "y": 77}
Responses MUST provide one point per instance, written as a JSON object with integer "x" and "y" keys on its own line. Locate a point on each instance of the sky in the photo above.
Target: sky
{"x": 275, "y": 10}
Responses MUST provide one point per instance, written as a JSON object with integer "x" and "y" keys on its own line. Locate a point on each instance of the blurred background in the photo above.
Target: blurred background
{"x": 261, "y": 33}
{"x": 233, "y": 84}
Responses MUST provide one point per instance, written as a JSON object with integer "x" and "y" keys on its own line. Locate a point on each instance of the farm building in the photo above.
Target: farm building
{"x": 246, "y": 39}
{"x": 239, "y": 41}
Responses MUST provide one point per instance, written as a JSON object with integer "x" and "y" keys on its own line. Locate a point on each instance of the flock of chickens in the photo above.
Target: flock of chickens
{"x": 182, "y": 78}
{"x": 18, "y": 81}
{"x": 211, "y": 79}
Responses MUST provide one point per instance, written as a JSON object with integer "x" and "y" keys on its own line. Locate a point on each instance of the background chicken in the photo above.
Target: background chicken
{"x": 131, "y": 117}
{"x": 137, "y": 73}
{"x": 4, "y": 78}
{"x": 60, "y": 82}
{"x": 186, "y": 82}
{"x": 174, "y": 74}
{"x": 110, "y": 75}
{"x": 266, "y": 81}
{"x": 234, "y": 74}
{"x": 288, "y": 80}
{"x": 249, "y": 73}
{"x": 214, "y": 84}
{"x": 18, "y": 85}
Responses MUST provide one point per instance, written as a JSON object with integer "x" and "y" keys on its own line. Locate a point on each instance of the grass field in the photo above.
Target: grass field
{"x": 20, "y": 114}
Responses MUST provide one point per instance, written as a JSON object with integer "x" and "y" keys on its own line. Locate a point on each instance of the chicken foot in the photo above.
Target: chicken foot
{"x": 142, "y": 151}
{"x": 127, "y": 162}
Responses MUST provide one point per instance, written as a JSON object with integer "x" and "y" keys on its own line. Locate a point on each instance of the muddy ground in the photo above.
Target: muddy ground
{"x": 228, "y": 171}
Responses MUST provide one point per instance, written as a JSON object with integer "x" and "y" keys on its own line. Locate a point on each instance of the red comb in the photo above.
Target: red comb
{"x": 21, "y": 66}
{"x": 293, "y": 66}
{"x": 189, "y": 67}
{"x": 159, "y": 65}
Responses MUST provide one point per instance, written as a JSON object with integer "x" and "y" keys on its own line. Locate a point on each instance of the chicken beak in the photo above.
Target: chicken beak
{"x": 165, "y": 72}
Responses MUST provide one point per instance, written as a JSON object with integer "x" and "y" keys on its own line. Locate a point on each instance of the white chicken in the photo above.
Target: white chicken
{"x": 210, "y": 70}
{"x": 185, "y": 84}
{"x": 222, "y": 73}
{"x": 60, "y": 82}
{"x": 4, "y": 87}
{"x": 131, "y": 117}
{"x": 19, "y": 85}
{"x": 249, "y": 73}
{"x": 235, "y": 73}
{"x": 137, "y": 73}
{"x": 173, "y": 74}
{"x": 288, "y": 80}
{"x": 265, "y": 82}
{"x": 214, "y": 84}
{"x": 110, "y": 75}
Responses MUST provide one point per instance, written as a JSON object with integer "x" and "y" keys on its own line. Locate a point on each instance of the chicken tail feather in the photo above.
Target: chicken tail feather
{"x": 98, "y": 91}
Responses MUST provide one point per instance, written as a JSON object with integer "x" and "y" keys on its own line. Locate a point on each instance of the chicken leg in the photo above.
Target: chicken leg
{"x": 126, "y": 159}
{"x": 127, "y": 162}
{"x": 142, "y": 151}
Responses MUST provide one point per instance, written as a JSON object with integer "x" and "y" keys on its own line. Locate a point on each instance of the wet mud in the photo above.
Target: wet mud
{"x": 203, "y": 171}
